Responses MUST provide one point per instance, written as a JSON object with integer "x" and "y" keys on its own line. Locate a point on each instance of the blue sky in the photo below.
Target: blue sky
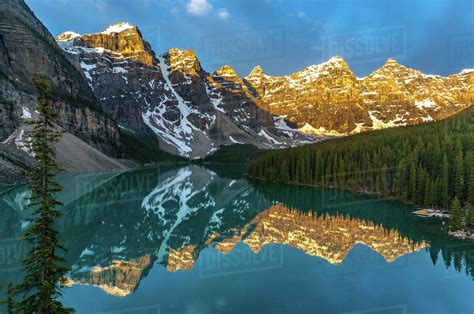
{"x": 434, "y": 36}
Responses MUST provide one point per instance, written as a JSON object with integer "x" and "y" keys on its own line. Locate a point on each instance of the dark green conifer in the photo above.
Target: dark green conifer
{"x": 469, "y": 216}
{"x": 428, "y": 164}
{"x": 455, "y": 221}
{"x": 43, "y": 266}
{"x": 459, "y": 172}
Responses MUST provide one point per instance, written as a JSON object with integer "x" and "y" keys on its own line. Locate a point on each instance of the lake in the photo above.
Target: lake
{"x": 192, "y": 239}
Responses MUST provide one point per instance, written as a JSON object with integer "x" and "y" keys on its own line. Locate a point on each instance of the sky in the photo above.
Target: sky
{"x": 433, "y": 36}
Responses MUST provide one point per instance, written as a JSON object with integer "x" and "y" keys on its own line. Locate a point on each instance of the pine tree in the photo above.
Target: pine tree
{"x": 459, "y": 172}
{"x": 470, "y": 216}
{"x": 43, "y": 266}
{"x": 444, "y": 183}
{"x": 428, "y": 164}
{"x": 455, "y": 222}
{"x": 470, "y": 177}
{"x": 10, "y": 299}
{"x": 427, "y": 193}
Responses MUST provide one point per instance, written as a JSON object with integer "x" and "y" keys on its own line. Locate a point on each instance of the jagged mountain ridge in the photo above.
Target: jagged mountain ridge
{"x": 191, "y": 111}
{"x": 328, "y": 99}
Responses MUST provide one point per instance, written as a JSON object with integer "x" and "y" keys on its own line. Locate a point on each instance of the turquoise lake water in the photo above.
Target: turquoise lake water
{"x": 192, "y": 239}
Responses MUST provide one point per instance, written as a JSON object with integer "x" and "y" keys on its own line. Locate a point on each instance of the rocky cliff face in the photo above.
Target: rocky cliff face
{"x": 191, "y": 111}
{"x": 397, "y": 95}
{"x": 28, "y": 51}
{"x": 328, "y": 99}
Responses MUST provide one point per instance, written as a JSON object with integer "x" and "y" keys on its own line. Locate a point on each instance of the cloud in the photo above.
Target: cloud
{"x": 204, "y": 8}
{"x": 223, "y": 14}
{"x": 198, "y": 7}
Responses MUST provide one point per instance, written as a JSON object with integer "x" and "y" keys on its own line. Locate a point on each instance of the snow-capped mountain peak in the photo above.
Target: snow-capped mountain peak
{"x": 68, "y": 35}
{"x": 225, "y": 71}
{"x": 256, "y": 71}
{"x": 118, "y": 28}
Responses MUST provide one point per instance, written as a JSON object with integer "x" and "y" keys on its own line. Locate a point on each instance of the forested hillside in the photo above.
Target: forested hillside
{"x": 428, "y": 164}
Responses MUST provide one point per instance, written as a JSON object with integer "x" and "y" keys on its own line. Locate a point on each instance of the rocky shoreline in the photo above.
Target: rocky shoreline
{"x": 463, "y": 234}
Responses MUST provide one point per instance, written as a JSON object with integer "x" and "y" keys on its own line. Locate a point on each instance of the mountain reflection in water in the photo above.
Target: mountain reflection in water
{"x": 118, "y": 226}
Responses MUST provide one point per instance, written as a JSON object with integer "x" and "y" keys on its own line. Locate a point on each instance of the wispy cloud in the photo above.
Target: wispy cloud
{"x": 223, "y": 14}
{"x": 204, "y": 8}
{"x": 199, "y": 7}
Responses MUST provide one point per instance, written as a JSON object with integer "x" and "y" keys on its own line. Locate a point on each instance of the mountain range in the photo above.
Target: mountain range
{"x": 115, "y": 96}
{"x": 193, "y": 112}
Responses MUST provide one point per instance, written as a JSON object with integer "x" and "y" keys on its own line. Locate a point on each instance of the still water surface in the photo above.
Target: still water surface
{"x": 189, "y": 239}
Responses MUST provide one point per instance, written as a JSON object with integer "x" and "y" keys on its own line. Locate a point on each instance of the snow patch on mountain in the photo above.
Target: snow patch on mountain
{"x": 426, "y": 103}
{"x": 87, "y": 68}
{"x": 379, "y": 124}
{"x": 117, "y": 28}
{"x": 214, "y": 97}
{"x": 25, "y": 114}
{"x": 175, "y": 133}
{"x": 10, "y": 138}
{"x": 234, "y": 141}
{"x": 23, "y": 142}
{"x": 309, "y": 129}
{"x": 466, "y": 71}
{"x": 269, "y": 138}
{"x": 280, "y": 124}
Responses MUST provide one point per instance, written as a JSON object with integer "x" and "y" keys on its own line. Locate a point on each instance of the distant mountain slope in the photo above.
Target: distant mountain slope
{"x": 27, "y": 52}
{"x": 428, "y": 164}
